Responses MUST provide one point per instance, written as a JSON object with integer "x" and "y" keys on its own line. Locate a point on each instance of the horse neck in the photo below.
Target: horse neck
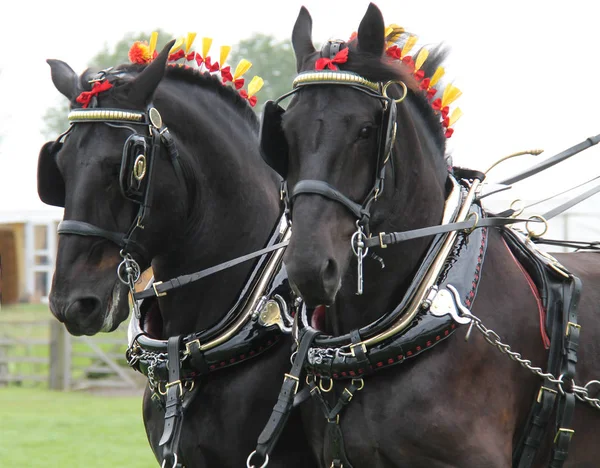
{"x": 235, "y": 207}
{"x": 413, "y": 197}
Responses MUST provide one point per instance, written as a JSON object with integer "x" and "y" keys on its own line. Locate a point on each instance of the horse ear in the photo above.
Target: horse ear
{"x": 371, "y": 32}
{"x": 302, "y": 37}
{"x": 140, "y": 90}
{"x": 64, "y": 78}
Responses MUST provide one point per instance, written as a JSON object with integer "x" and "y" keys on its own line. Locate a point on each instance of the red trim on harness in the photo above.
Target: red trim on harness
{"x": 536, "y": 295}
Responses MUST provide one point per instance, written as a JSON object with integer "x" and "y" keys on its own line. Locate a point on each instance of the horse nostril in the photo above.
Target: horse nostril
{"x": 81, "y": 308}
{"x": 329, "y": 273}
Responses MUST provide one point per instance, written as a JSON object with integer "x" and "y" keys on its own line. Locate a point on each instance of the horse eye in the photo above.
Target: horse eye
{"x": 364, "y": 133}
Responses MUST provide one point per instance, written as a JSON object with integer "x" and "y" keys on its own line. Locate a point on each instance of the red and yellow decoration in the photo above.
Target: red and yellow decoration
{"x": 393, "y": 34}
{"x": 142, "y": 52}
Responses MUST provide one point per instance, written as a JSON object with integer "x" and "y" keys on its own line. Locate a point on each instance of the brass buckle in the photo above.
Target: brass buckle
{"x": 349, "y": 393}
{"x": 154, "y": 285}
{"x": 569, "y": 325}
{"x": 188, "y": 351}
{"x": 293, "y": 377}
{"x": 381, "y": 244}
{"x": 172, "y": 384}
{"x": 362, "y": 384}
{"x": 362, "y": 345}
{"x": 539, "y": 397}
{"x": 567, "y": 431}
{"x": 327, "y": 390}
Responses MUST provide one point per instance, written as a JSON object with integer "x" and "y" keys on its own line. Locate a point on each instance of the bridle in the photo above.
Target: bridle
{"x": 135, "y": 178}
{"x": 274, "y": 150}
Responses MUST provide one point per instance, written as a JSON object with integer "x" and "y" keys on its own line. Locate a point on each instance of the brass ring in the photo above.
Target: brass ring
{"x": 472, "y": 228}
{"x": 401, "y": 83}
{"x": 158, "y": 388}
{"x": 362, "y": 384}
{"x": 530, "y": 232}
{"x": 321, "y": 385}
{"x": 517, "y": 211}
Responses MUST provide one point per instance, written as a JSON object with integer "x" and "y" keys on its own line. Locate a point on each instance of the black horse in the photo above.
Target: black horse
{"x": 179, "y": 198}
{"x": 460, "y": 404}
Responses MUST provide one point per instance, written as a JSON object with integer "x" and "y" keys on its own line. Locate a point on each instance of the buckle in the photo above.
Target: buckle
{"x": 188, "y": 351}
{"x": 362, "y": 345}
{"x": 154, "y": 285}
{"x": 542, "y": 388}
{"x": 293, "y": 377}
{"x": 570, "y": 432}
{"x": 381, "y": 244}
{"x": 172, "y": 384}
{"x": 569, "y": 325}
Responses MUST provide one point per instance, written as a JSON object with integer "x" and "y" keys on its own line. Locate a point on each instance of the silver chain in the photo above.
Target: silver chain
{"x": 582, "y": 393}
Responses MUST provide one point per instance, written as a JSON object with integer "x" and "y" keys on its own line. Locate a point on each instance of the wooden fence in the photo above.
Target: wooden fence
{"x": 42, "y": 352}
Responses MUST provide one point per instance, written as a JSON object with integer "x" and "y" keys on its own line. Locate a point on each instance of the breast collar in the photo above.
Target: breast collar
{"x": 258, "y": 320}
{"x": 425, "y": 316}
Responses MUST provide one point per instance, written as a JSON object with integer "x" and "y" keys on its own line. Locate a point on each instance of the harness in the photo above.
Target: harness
{"x": 437, "y": 301}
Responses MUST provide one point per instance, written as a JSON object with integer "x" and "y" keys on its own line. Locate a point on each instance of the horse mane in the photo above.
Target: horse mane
{"x": 381, "y": 69}
{"x": 204, "y": 80}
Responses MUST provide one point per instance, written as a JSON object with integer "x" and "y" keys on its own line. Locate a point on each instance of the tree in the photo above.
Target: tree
{"x": 272, "y": 60}
{"x": 55, "y": 118}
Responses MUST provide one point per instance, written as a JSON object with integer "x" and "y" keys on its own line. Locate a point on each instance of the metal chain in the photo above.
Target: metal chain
{"x": 582, "y": 393}
{"x": 154, "y": 358}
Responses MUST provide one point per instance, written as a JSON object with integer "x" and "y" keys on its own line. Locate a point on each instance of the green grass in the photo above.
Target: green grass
{"x": 45, "y": 429}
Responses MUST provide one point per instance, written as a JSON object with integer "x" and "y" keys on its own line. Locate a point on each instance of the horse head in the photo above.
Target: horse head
{"x": 101, "y": 171}
{"x": 362, "y": 152}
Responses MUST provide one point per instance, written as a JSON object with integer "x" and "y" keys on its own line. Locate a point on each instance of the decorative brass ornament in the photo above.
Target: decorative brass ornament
{"x": 155, "y": 117}
{"x": 270, "y": 314}
{"x": 139, "y": 167}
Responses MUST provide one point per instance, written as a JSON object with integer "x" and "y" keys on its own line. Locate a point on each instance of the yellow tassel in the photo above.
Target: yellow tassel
{"x": 152, "y": 46}
{"x": 255, "y": 85}
{"x": 189, "y": 41}
{"x": 408, "y": 45}
{"x": 224, "y": 54}
{"x": 178, "y": 43}
{"x": 436, "y": 76}
{"x": 421, "y": 57}
{"x": 456, "y": 114}
{"x": 393, "y": 33}
{"x": 242, "y": 68}
{"x": 451, "y": 94}
{"x": 206, "y": 43}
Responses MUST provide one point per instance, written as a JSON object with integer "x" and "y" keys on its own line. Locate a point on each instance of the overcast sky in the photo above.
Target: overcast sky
{"x": 529, "y": 70}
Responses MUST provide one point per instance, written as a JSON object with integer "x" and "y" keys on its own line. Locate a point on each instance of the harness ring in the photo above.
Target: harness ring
{"x": 401, "y": 83}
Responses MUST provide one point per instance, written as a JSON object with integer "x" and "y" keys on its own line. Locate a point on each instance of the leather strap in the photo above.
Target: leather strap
{"x": 318, "y": 187}
{"x": 161, "y": 288}
{"x": 173, "y": 404}
{"x": 281, "y": 411}
{"x": 397, "y": 237}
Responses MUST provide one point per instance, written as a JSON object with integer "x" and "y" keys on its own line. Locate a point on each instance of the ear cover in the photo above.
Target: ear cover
{"x": 50, "y": 182}
{"x": 273, "y": 145}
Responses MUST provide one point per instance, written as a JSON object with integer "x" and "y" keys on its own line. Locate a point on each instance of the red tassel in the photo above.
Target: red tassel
{"x": 445, "y": 111}
{"x": 419, "y": 75}
{"x": 425, "y": 84}
{"x": 98, "y": 87}
{"x": 251, "y": 100}
{"x": 340, "y": 57}
{"x": 177, "y": 55}
{"x": 226, "y": 74}
{"x": 199, "y": 59}
{"x": 238, "y": 83}
{"x": 211, "y": 67}
{"x": 431, "y": 92}
{"x": 446, "y": 122}
{"x": 394, "y": 52}
{"x": 449, "y": 132}
{"x": 437, "y": 104}
{"x": 409, "y": 62}
{"x": 191, "y": 56}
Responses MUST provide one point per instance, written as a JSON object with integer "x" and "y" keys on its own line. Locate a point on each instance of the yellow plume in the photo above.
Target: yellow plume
{"x": 178, "y": 43}
{"x": 241, "y": 68}
{"x": 451, "y": 94}
{"x": 189, "y": 41}
{"x": 255, "y": 85}
{"x": 436, "y": 76}
{"x": 408, "y": 45}
{"x": 456, "y": 114}
{"x": 152, "y": 46}
{"x": 393, "y": 33}
{"x": 421, "y": 57}
{"x": 206, "y": 43}
{"x": 224, "y": 54}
